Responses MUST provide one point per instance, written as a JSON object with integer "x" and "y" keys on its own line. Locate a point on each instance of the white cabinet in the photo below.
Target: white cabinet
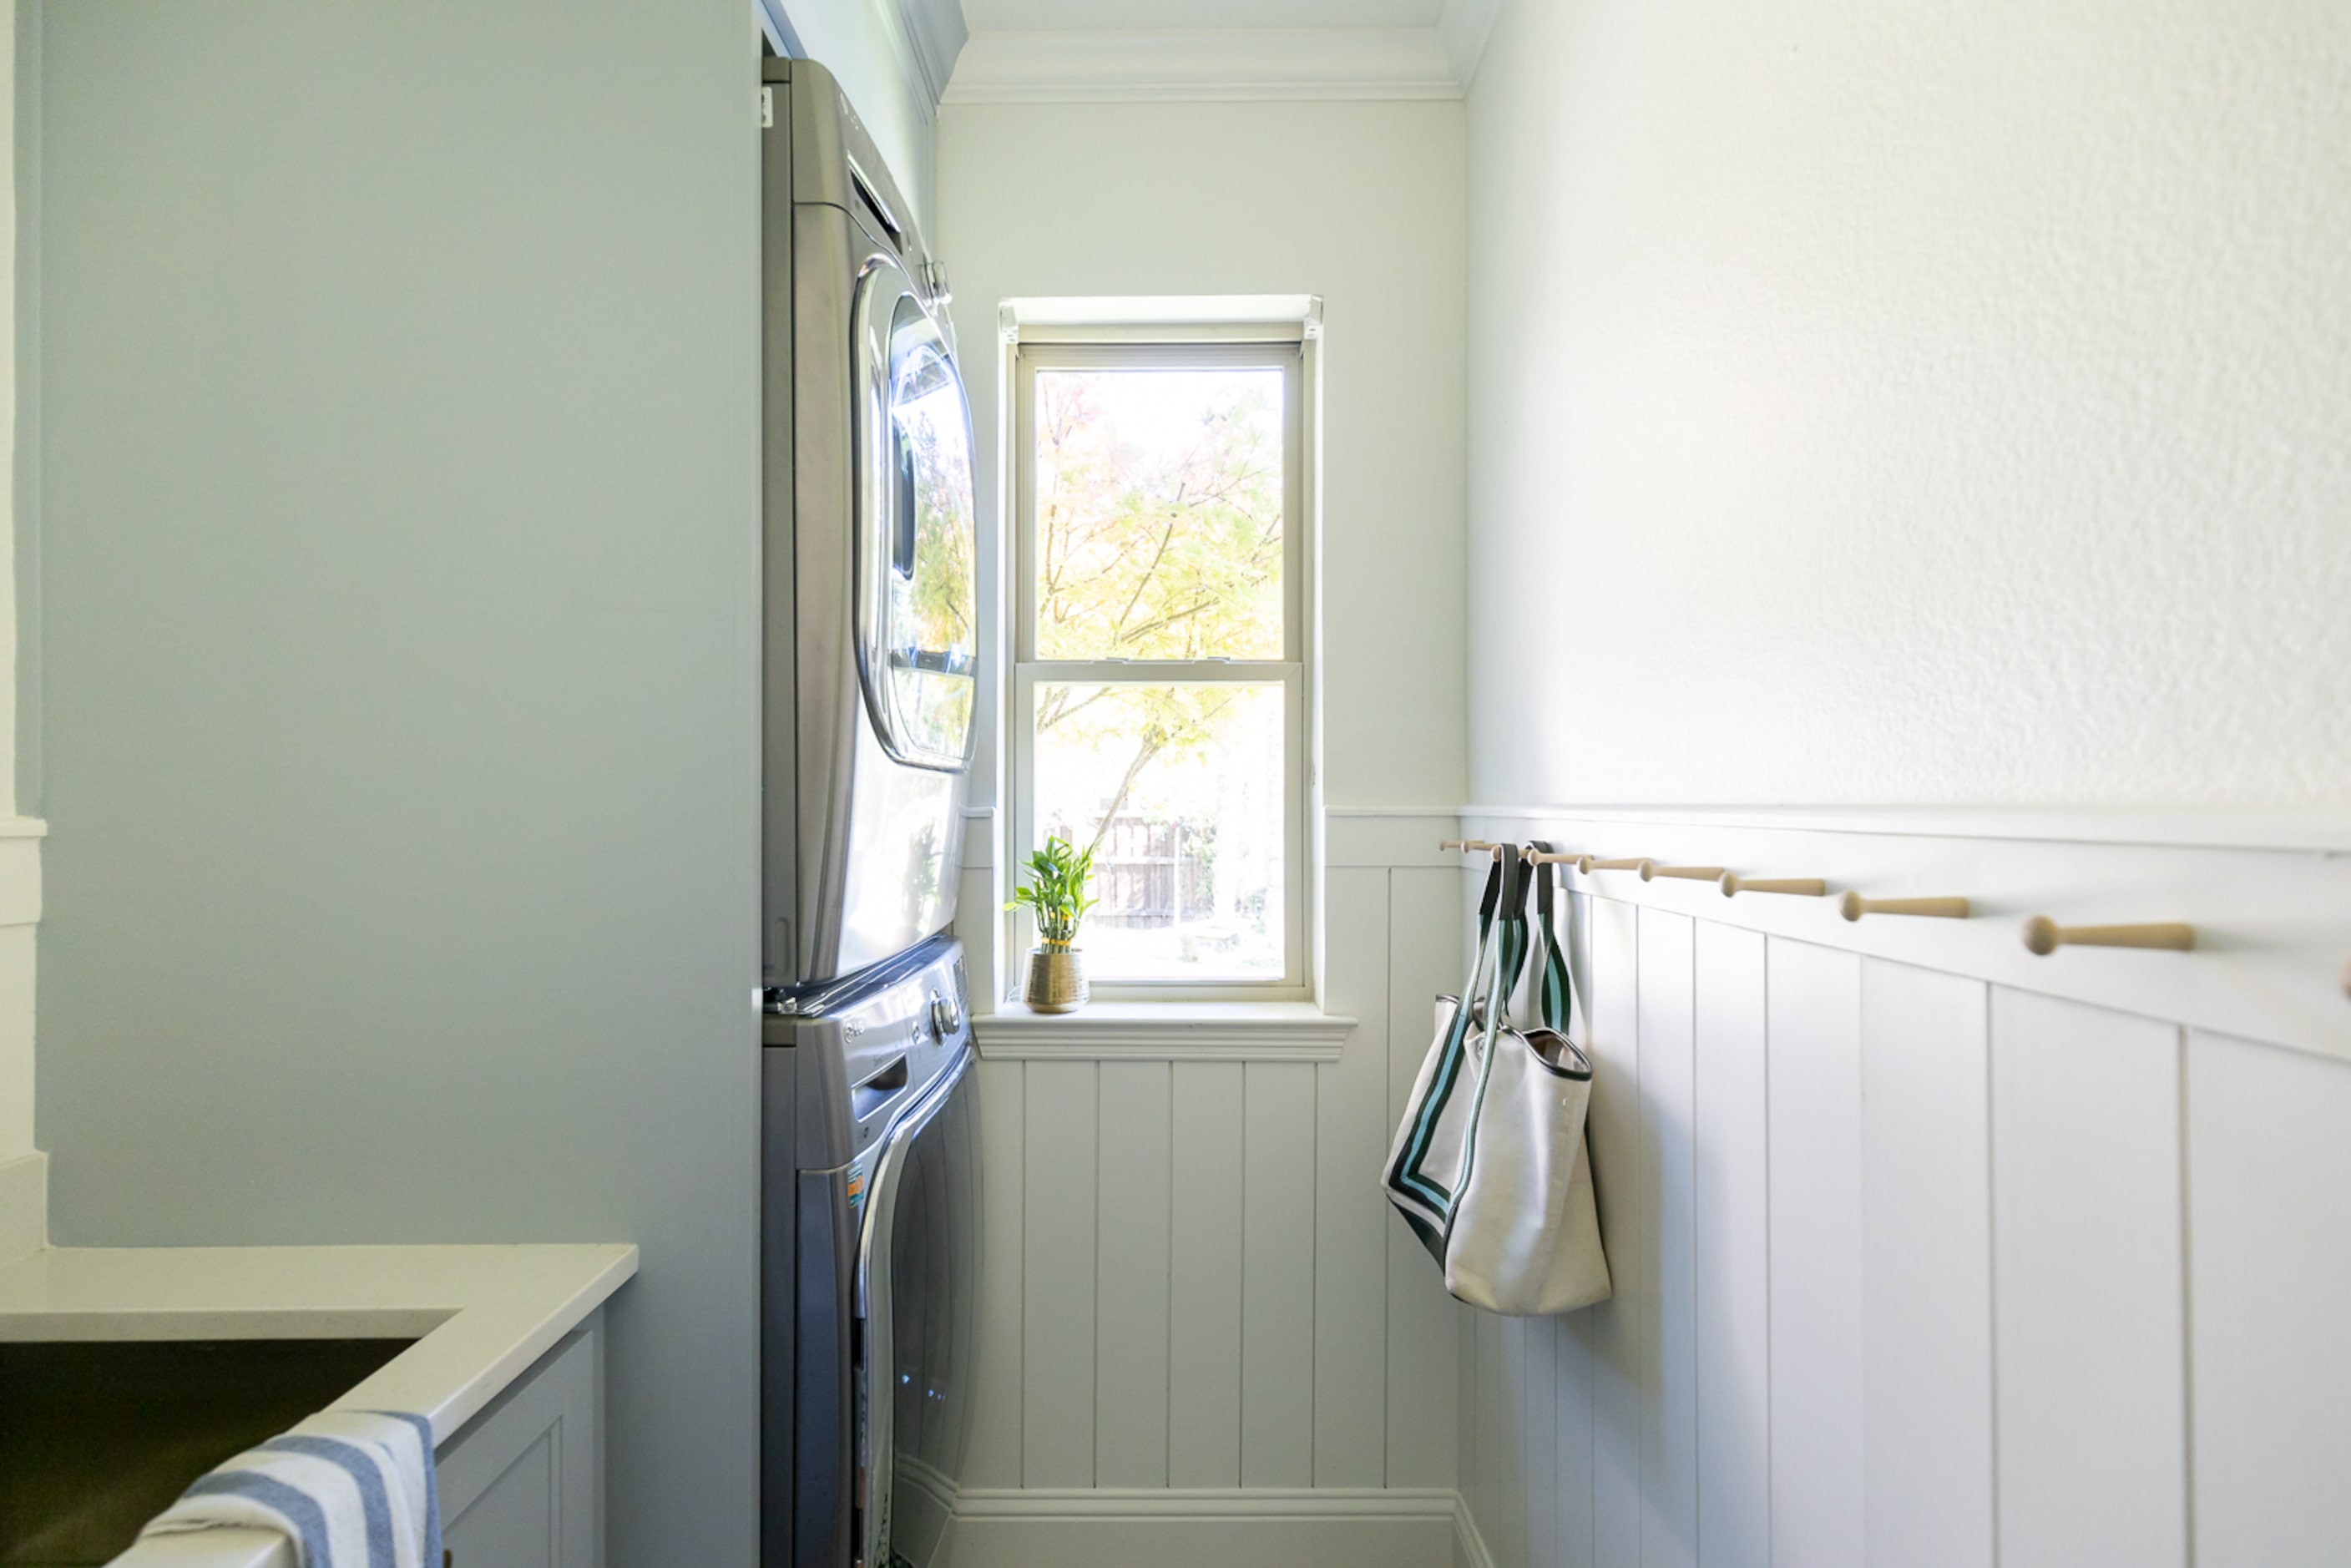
{"x": 522, "y": 1483}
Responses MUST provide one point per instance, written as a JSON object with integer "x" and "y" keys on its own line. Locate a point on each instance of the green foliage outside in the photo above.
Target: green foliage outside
{"x": 1154, "y": 556}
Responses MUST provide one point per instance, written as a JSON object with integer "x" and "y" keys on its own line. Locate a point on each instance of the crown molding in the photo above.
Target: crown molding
{"x": 1232, "y": 65}
{"x": 935, "y": 37}
{"x": 1463, "y": 27}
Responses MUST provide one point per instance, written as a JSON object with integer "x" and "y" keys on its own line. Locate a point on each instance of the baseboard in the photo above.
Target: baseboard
{"x": 23, "y": 1206}
{"x": 1468, "y": 1546}
{"x": 1231, "y": 1528}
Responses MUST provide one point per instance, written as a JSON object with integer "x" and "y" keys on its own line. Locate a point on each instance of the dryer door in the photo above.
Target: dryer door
{"x": 918, "y": 589}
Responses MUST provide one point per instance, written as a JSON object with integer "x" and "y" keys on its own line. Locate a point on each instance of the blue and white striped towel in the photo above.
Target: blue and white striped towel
{"x": 350, "y": 1488}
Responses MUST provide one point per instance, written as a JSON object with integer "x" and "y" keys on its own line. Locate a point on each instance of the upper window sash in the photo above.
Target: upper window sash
{"x": 1159, "y": 354}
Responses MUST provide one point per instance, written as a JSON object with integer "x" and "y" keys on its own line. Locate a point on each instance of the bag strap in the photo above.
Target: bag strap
{"x": 1509, "y": 964}
{"x": 1555, "y": 984}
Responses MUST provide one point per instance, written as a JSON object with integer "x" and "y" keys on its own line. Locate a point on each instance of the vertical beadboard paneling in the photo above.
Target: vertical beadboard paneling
{"x": 1203, "y": 1323}
{"x": 1572, "y": 1372}
{"x": 1572, "y": 1396}
{"x": 1423, "y": 1394}
{"x": 1927, "y": 1266}
{"x": 1668, "y": 1107}
{"x": 1616, "y": 1330}
{"x": 1731, "y": 1271}
{"x": 1057, "y": 1347}
{"x": 2268, "y": 1178}
{"x": 1541, "y": 1441}
{"x": 1814, "y": 1072}
{"x": 1351, "y": 1223}
{"x": 995, "y": 1403}
{"x": 1131, "y": 1275}
{"x": 2086, "y": 1245}
{"x": 1278, "y": 1276}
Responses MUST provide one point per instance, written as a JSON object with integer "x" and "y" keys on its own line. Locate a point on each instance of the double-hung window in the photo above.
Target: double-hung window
{"x": 1159, "y": 699}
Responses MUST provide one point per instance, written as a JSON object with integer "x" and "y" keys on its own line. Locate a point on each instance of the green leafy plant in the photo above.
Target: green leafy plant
{"x": 1056, "y": 890}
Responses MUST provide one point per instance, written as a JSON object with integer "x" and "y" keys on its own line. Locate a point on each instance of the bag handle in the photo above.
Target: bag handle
{"x": 1555, "y": 984}
{"x": 1508, "y": 964}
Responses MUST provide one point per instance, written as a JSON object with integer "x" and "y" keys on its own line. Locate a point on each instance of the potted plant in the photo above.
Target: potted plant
{"x": 1056, "y": 891}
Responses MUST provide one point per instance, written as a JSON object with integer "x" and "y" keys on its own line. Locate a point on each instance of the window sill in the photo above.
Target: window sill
{"x": 1165, "y": 1031}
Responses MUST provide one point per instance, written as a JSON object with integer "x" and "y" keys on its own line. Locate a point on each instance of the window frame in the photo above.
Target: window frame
{"x": 1288, "y": 347}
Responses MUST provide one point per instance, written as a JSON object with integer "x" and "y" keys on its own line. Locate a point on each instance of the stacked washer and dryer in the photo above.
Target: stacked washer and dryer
{"x": 869, "y": 1176}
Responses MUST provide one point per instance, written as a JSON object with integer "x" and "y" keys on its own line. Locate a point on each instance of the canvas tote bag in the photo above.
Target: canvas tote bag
{"x": 1490, "y": 1166}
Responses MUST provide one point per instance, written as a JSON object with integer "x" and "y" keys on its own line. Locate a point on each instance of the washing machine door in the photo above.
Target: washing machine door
{"x": 917, "y": 1300}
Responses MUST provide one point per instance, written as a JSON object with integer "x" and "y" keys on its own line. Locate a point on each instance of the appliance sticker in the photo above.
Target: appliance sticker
{"x": 857, "y": 1188}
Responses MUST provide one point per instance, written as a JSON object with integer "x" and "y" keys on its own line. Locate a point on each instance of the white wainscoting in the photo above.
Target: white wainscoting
{"x": 24, "y": 1173}
{"x": 1929, "y": 1252}
{"x": 1204, "y": 1337}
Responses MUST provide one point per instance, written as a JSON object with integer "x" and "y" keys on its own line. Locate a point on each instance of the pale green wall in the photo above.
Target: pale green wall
{"x": 400, "y": 530}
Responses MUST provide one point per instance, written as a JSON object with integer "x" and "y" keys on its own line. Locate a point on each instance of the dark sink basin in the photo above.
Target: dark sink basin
{"x": 96, "y": 1439}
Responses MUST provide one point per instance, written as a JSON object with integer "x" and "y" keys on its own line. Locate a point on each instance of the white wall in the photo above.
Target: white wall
{"x": 1922, "y": 1244}
{"x": 1191, "y": 1285}
{"x": 863, "y": 43}
{"x": 1912, "y": 402}
{"x": 1191, "y": 1282}
{"x": 1359, "y": 203}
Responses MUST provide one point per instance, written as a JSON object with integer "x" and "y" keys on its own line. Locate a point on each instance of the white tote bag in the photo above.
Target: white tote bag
{"x": 1490, "y": 1166}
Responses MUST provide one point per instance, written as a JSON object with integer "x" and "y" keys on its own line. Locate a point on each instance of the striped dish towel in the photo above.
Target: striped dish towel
{"x": 350, "y": 1488}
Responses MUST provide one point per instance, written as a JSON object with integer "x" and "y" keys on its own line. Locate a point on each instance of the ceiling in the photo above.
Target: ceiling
{"x": 988, "y": 15}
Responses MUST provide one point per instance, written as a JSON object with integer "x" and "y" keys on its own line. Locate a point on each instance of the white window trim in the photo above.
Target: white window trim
{"x": 1135, "y": 1009}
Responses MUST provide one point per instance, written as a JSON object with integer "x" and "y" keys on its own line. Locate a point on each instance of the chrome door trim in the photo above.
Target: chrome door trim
{"x": 875, "y": 1454}
{"x": 882, "y": 282}
{"x": 881, "y": 1193}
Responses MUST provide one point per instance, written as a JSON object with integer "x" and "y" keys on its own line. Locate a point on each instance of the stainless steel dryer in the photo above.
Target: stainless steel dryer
{"x": 870, "y": 1235}
{"x": 870, "y": 592}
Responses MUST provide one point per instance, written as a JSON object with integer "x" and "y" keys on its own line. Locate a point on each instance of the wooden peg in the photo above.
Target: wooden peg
{"x": 1586, "y": 863}
{"x": 1651, "y": 870}
{"x": 1466, "y": 845}
{"x": 1853, "y": 906}
{"x": 2044, "y": 936}
{"x": 1734, "y": 885}
{"x": 1544, "y": 857}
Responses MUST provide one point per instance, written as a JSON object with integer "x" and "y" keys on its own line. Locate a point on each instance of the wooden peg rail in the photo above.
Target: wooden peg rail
{"x": 2041, "y": 934}
{"x": 1734, "y": 885}
{"x": 2044, "y": 935}
{"x": 1853, "y": 906}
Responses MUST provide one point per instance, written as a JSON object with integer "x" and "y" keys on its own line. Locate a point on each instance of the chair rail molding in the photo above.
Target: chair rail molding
{"x": 2269, "y": 894}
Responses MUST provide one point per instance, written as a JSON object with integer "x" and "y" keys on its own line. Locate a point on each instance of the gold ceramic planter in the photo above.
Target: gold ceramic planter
{"x": 1057, "y": 979}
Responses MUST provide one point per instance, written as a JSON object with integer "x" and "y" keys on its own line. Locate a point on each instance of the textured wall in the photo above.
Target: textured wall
{"x": 1360, "y": 203}
{"x": 1912, "y": 402}
{"x": 401, "y": 536}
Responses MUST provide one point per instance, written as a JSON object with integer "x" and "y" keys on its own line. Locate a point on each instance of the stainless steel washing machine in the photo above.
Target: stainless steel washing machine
{"x": 870, "y": 1215}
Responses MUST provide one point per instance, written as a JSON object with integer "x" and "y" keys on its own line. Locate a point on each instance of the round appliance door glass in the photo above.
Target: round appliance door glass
{"x": 918, "y": 553}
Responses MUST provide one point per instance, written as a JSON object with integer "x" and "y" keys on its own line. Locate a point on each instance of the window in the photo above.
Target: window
{"x": 1159, "y": 697}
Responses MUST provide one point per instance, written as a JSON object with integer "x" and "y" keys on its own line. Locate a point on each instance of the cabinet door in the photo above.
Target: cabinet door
{"x": 512, "y": 1524}
{"x": 522, "y": 1484}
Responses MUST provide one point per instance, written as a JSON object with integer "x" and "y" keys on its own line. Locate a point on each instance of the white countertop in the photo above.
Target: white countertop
{"x": 482, "y": 1315}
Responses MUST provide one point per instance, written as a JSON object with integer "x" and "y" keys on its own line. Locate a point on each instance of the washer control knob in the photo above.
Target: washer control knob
{"x": 946, "y": 1016}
